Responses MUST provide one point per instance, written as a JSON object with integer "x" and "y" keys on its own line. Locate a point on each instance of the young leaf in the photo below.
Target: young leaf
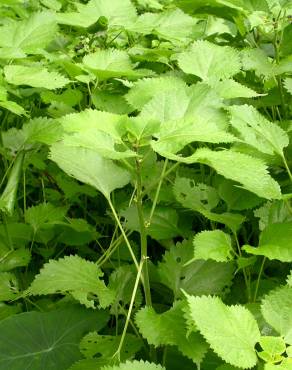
{"x": 209, "y": 61}
{"x": 231, "y": 331}
{"x": 276, "y": 310}
{"x": 74, "y": 275}
{"x": 89, "y": 167}
{"x": 34, "y": 76}
{"x": 215, "y": 245}
{"x": 275, "y": 242}
{"x": 46, "y": 341}
{"x": 169, "y": 328}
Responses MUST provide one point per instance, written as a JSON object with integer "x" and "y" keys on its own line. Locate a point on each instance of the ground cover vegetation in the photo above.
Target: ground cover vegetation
{"x": 145, "y": 191}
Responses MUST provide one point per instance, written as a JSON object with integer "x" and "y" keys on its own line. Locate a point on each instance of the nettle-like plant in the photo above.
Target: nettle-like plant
{"x": 146, "y": 185}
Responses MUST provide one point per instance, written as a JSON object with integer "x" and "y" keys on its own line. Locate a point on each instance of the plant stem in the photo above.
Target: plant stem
{"x": 259, "y": 279}
{"x": 123, "y": 232}
{"x": 287, "y": 167}
{"x": 243, "y": 270}
{"x": 143, "y": 235}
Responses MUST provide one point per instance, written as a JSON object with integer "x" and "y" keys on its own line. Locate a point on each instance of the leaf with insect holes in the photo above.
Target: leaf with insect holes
{"x": 210, "y": 61}
{"x": 231, "y": 331}
{"x": 34, "y": 77}
{"x": 89, "y": 167}
{"x": 74, "y": 275}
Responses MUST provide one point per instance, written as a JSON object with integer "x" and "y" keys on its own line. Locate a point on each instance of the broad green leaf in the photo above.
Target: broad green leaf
{"x": 285, "y": 365}
{"x": 41, "y": 130}
{"x": 135, "y": 365}
{"x": 257, "y": 60}
{"x": 257, "y": 131}
{"x": 13, "y": 107}
{"x": 46, "y": 341}
{"x": 273, "y": 212}
{"x": 273, "y": 345}
{"x": 8, "y": 197}
{"x": 145, "y": 89}
{"x": 12, "y": 258}
{"x": 118, "y": 13}
{"x": 44, "y": 215}
{"x": 113, "y": 103}
{"x": 8, "y": 286}
{"x": 164, "y": 223}
{"x": 288, "y": 85}
{"x": 230, "y": 89}
{"x": 202, "y": 198}
{"x": 215, "y": 245}
{"x": 110, "y": 63}
{"x": 97, "y": 141}
{"x": 276, "y": 309}
{"x": 237, "y": 198}
{"x": 275, "y": 242}
{"x": 231, "y": 331}
{"x": 249, "y": 171}
{"x": 169, "y": 328}
{"x": 34, "y": 76}
{"x": 172, "y": 25}
{"x": 199, "y": 277}
{"x": 29, "y": 35}
{"x": 89, "y": 167}
{"x": 74, "y": 275}
{"x": 89, "y": 119}
{"x": 7, "y": 310}
{"x": 105, "y": 346}
{"x": 209, "y": 61}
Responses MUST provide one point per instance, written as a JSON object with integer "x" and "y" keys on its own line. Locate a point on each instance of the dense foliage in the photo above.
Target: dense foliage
{"x": 145, "y": 191}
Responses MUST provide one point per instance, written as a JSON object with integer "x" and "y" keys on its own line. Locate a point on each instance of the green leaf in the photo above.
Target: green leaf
{"x": 257, "y": 131}
{"x": 169, "y": 328}
{"x": 135, "y": 365}
{"x": 89, "y": 167}
{"x": 199, "y": 277}
{"x": 276, "y": 309}
{"x": 257, "y": 60}
{"x": 273, "y": 212}
{"x": 237, "y": 198}
{"x": 34, "y": 76}
{"x": 43, "y": 215}
{"x": 231, "y": 331}
{"x": 42, "y": 130}
{"x": 118, "y": 13}
{"x": 273, "y": 345}
{"x": 202, "y": 198}
{"x": 146, "y": 89}
{"x": 12, "y": 258}
{"x": 105, "y": 346}
{"x": 29, "y": 35}
{"x": 215, "y": 245}
{"x": 285, "y": 365}
{"x": 46, "y": 341}
{"x": 164, "y": 223}
{"x": 249, "y": 171}
{"x": 209, "y": 61}
{"x": 288, "y": 85}
{"x": 8, "y": 286}
{"x": 13, "y": 107}
{"x": 230, "y": 89}
{"x": 74, "y": 275}
{"x": 275, "y": 242}
{"x": 8, "y": 197}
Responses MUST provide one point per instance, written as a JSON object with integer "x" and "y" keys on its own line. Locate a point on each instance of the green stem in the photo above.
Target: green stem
{"x": 143, "y": 235}
{"x": 246, "y": 280}
{"x": 123, "y": 232}
{"x": 157, "y": 191}
{"x": 287, "y": 167}
{"x": 259, "y": 279}
{"x": 139, "y": 273}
